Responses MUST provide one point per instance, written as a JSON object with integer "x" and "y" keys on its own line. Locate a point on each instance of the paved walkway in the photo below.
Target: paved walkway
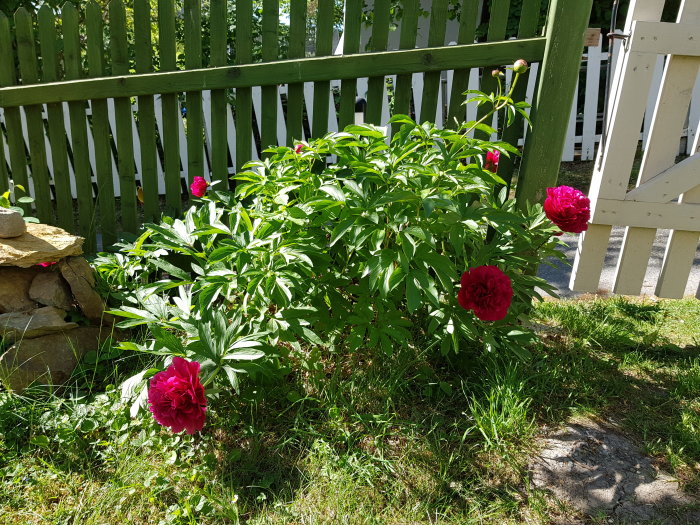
{"x": 560, "y": 274}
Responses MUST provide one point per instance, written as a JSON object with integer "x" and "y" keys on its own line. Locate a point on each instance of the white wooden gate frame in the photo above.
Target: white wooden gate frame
{"x": 667, "y": 194}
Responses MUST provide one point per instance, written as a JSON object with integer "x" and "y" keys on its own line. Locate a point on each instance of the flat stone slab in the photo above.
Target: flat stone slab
{"x": 41, "y": 243}
{"x": 34, "y": 323}
{"x": 602, "y": 473}
{"x": 49, "y": 359}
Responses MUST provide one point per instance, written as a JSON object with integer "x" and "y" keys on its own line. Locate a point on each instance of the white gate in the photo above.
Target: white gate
{"x": 667, "y": 194}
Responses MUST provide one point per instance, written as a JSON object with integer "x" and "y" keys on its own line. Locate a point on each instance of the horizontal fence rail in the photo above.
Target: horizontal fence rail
{"x": 106, "y": 123}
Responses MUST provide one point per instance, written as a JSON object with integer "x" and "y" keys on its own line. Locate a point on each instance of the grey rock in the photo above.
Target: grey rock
{"x": 49, "y": 359}
{"x": 601, "y": 472}
{"x": 41, "y": 243}
{"x": 34, "y": 323}
{"x": 14, "y": 289}
{"x": 81, "y": 279}
{"x": 11, "y": 224}
{"x": 49, "y": 288}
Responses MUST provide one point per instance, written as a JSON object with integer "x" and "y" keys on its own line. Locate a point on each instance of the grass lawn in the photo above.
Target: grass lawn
{"x": 366, "y": 437}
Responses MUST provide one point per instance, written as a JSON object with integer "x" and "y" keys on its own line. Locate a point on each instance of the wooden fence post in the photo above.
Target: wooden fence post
{"x": 566, "y": 25}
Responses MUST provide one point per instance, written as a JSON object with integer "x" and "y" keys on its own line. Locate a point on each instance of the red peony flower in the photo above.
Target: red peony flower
{"x": 199, "y": 186}
{"x": 568, "y": 208}
{"x": 487, "y": 291}
{"x": 298, "y": 148}
{"x": 491, "y": 162}
{"x": 46, "y": 264}
{"x": 176, "y": 397}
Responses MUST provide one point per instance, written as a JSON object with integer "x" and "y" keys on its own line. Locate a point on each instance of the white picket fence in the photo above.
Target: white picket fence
{"x": 581, "y": 142}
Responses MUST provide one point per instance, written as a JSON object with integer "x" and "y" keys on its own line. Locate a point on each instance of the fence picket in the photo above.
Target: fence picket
{"x": 244, "y": 98}
{"x": 170, "y": 112}
{"x": 431, "y": 80}
{"x": 101, "y": 132}
{"x": 13, "y": 119}
{"x": 351, "y": 45}
{"x": 324, "y": 47}
{"x": 295, "y": 92}
{"x": 376, "y": 86}
{"x": 529, "y": 18}
{"x": 78, "y": 126}
{"x": 460, "y": 77}
{"x": 270, "y": 94}
{"x": 123, "y": 118}
{"x": 146, "y": 112}
{"x": 498, "y": 21}
{"x": 29, "y": 70}
{"x": 193, "y": 99}
{"x": 404, "y": 82}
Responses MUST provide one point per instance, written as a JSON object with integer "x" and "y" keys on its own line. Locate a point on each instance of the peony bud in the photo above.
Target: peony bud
{"x": 497, "y": 73}
{"x": 520, "y": 66}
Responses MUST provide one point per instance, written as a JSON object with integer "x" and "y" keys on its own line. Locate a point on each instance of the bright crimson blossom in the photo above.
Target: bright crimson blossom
{"x": 199, "y": 186}
{"x": 487, "y": 291}
{"x": 568, "y": 208}
{"x": 491, "y": 162}
{"x": 46, "y": 264}
{"x": 298, "y": 148}
{"x": 176, "y": 397}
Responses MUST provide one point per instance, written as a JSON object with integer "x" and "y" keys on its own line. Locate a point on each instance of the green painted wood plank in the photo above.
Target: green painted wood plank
{"x": 193, "y": 99}
{"x": 295, "y": 92}
{"x": 380, "y": 38}
{"x": 431, "y": 80}
{"x": 559, "y": 72}
{"x": 78, "y": 126}
{"x": 56, "y": 124}
{"x": 13, "y": 121}
{"x": 407, "y": 40}
{"x": 324, "y": 44}
{"x": 527, "y": 28}
{"x": 29, "y": 70}
{"x": 270, "y": 52}
{"x": 219, "y": 144}
{"x": 123, "y": 119}
{"x": 498, "y": 21}
{"x": 460, "y": 79}
{"x": 285, "y": 71}
{"x": 147, "y": 115}
{"x": 244, "y": 96}
{"x": 101, "y": 133}
{"x": 351, "y": 45}
{"x": 170, "y": 111}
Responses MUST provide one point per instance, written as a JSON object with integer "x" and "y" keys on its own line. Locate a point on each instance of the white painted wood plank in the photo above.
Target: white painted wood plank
{"x": 590, "y": 258}
{"x": 670, "y": 216}
{"x": 612, "y": 169}
{"x": 670, "y": 183}
{"x": 653, "y": 95}
{"x": 666, "y": 38}
{"x": 590, "y": 111}
{"x": 569, "y": 144}
{"x": 662, "y": 148}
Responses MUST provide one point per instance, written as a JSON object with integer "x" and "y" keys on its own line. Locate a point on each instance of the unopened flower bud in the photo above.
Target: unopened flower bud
{"x": 520, "y": 66}
{"x": 497, "y": 73}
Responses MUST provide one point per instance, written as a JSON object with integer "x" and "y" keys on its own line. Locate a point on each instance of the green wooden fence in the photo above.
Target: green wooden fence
{"x": 58, "y": 72}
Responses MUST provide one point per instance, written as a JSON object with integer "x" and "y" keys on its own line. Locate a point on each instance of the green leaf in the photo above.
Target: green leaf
{"x": 413, "y": 294}
{"x": 245, "y": 355}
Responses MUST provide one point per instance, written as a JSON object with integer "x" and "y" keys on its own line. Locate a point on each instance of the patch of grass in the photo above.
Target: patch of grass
{"x": 365, "y": 437}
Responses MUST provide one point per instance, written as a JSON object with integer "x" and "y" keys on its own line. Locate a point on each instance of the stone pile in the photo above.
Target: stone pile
{"x": 50, "y": 314}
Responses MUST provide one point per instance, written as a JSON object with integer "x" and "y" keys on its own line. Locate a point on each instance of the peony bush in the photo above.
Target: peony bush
{"x": 350, "y": 241}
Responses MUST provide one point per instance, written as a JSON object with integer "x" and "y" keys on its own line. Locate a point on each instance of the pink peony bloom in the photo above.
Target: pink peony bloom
{"x": 176, "y": 397}
{"x": 568, "y": 208}
{"x": 487, "y": 291}
{"x": 491, "y": 162}
{"x": 199, "y": 186}
{"x": 298, "y": 148}
{"x": 46, "y": 264}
